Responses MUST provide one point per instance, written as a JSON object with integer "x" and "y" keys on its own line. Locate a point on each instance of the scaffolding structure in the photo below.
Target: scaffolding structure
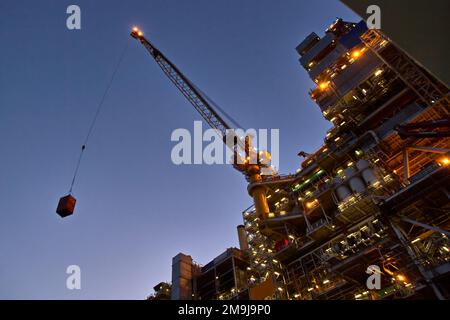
{"x": 367, "y": 197}
{"x": 367, "y": 202}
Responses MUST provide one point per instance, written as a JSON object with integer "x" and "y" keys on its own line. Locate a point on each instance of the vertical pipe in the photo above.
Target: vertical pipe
{"x": 260, "y": 200}
{"x": 243, "y": 242}
{"x": 406, "y": 164}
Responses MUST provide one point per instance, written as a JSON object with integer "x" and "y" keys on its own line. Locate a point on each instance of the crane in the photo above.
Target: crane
{"x": 252, "y": 171}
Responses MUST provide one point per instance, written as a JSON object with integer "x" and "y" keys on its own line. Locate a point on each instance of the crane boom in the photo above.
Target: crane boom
{"x": 252, "y": 171}
{"x": 187, "y": 88}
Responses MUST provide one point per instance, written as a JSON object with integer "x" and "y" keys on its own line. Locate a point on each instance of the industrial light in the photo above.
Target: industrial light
{"x": 445, "y": 161}
{"x": 135, "y": 29}
{"x": 310, "y": 289}
{"x": 326, "y": 281}
{"x": 401, "y": 277}
{"x": 356, "y": 54}
{"x": 140, "y": 33}
{"x": 312, "y": 204}
{"x": 415, "y": 240}
{"x": 378, "y": 72}
{"x": 323, "y": 85}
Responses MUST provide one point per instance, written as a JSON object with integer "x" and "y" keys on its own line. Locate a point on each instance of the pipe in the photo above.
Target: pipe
{"x": 243, "y": 241}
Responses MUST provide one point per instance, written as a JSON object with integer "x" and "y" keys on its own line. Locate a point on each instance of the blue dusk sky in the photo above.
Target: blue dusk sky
{"x": 135, "y": 208}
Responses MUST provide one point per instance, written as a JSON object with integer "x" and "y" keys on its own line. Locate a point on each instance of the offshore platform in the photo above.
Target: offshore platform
{"x": 367, "y": 214}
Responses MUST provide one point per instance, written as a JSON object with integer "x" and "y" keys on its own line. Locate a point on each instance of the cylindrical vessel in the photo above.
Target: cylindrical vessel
{"x": 369, "y": 176}
{"x": 357, "y": 184}
{"x": 260, "y": 201}
{"x": 362, "y": 164}
{"x": 242, "y": 235}
{"x": 343, "y": 192}
{"x": 350, "y": 171}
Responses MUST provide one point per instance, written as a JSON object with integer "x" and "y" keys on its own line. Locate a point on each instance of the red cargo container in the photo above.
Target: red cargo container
{"x": 66, "y": 206}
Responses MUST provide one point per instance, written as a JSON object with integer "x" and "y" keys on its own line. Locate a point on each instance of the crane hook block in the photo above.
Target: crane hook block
{"x": 66, "y": 206}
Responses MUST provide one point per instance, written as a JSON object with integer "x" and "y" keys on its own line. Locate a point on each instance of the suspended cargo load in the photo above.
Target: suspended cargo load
{"x": 66, "y": 206}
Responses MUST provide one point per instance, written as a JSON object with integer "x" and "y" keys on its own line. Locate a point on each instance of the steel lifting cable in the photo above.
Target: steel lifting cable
{"x": 215, "y": 105}
{"x": 94, "y": 119}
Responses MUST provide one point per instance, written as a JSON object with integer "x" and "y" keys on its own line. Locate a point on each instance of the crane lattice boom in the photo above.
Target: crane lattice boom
{"x": 186, "y": 87}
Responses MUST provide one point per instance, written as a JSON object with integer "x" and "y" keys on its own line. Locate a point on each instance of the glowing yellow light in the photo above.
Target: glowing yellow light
{"x": 323, "y": 85}
{"x": 312, "y": 204}
{"x": 135, "y": 29}
{"x": 356, "y": 54}
{"x": 140, "y": 33}
{"x": 378, "y": 72}
{"x": 401, "y": 277}
{"x": 445, "y": 161}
